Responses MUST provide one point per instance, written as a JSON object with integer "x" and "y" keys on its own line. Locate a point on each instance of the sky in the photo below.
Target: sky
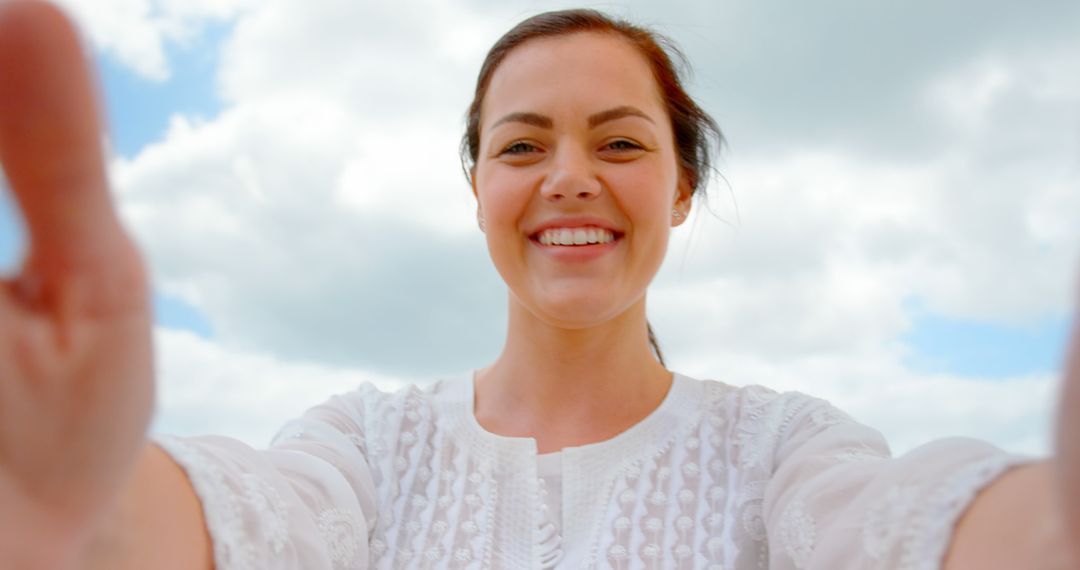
{"x": 895, "y": 227}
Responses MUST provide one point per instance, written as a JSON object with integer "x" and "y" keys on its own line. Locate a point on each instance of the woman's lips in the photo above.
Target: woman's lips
{"x": 576, "y": 236}
{"x": 576, "y": 244}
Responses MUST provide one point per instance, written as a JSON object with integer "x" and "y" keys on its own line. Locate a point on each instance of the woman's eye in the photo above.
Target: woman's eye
{"x": 520, "y": 147}
{"x": 623, "y": 144}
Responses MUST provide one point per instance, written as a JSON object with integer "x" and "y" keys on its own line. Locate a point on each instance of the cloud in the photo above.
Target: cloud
{"x": 385, "y": 62}
{"x": 297, "y": 232}
{"x": 204, "y": 388}
{"x": 848, "y": 73}
{"x": 138, "y": 32}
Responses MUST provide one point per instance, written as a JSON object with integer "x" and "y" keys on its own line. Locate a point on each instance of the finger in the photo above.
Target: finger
{"x": 50, "y": 136}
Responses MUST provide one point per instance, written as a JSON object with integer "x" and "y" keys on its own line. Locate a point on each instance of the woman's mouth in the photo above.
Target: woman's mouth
{"x": 578, "y": 236}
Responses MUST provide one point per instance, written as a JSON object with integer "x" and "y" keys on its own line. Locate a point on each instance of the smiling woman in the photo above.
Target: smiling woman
{"x": 575, "y": 448}
{"x": 675, "y": 118}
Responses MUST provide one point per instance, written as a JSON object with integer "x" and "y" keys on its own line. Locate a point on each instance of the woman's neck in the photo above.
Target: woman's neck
{"x": 571, "y": 387}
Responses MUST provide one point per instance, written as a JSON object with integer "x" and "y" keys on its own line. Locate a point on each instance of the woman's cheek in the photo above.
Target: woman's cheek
{"x": 503, "y": 204}
{"x": 647, "y": 204}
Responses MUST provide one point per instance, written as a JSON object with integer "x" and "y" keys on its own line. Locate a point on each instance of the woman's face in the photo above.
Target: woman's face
{"x": 577, "y": 176}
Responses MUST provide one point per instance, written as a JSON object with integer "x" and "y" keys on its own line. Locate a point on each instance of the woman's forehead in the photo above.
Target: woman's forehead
{"x": 586, "y": 71}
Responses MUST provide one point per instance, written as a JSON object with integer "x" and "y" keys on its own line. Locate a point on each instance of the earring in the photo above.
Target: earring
{"x": 480, "y": 220}
{"x": 677, "y": 214}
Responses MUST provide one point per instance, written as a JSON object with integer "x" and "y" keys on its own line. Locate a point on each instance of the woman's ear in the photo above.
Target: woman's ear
{"x": 479, "y": 211}
{"x": 680, "y": 210}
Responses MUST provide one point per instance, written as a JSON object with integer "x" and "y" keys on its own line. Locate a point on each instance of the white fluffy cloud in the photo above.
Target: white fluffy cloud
{"x": 300, "y": 231}
{"x": 204, "y": 388}
{"x": 322, "y": 217}
{"x": 137, "y": 32}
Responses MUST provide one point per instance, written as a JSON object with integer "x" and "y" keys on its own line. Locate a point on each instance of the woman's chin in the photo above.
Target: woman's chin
{"x": 580, "y": 310}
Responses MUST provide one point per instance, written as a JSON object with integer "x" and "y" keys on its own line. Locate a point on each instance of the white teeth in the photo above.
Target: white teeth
{"x": 575, "y": 236}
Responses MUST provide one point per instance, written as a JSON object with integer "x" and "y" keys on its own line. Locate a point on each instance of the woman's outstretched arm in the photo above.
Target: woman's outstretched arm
{"x": 836, "y": 499}
{"x": 1014, "y": 523}
{"x": 1030, "y": 517}
{"x": 157, "y": 523}
{"x": 79, "y": 485}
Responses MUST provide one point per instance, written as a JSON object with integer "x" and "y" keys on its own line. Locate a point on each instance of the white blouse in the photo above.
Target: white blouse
{"x": 717, "y": 477}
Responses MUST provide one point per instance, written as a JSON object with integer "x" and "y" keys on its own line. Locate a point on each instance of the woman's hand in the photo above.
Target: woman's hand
{"x": 1067, "y": 457}
{"x": 76, "y": 370}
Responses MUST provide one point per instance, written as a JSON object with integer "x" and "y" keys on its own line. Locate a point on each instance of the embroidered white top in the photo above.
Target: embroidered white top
{"x": 718, "y": 477}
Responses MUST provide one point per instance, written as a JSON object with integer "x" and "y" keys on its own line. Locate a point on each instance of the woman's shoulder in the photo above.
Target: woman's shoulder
{"x": 760, "y": 409}
{"x": 764, "y": 424}
{"x": 385, "y": 394}
{"x": 394, "y": 389}
{"x": 755, "y": 399}
{"x": 372, "y": 402}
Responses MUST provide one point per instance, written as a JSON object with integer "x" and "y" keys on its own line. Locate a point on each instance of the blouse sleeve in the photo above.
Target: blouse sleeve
{"x": 306, "y": 502}
{"x": 837, "y": 501}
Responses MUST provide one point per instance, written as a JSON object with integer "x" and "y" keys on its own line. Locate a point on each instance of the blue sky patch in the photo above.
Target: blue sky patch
{"x": 138, "y": 109}
{"x": 942, "y": 344}
{"x": 11, "y": 232}
{"x": 173, "y": 313}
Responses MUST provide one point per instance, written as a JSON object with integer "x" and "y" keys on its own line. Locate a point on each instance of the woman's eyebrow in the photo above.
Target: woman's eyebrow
{"x": 617, "y": 113}
{"x": 534, "y": 119}
{"x": 595, "y": 120}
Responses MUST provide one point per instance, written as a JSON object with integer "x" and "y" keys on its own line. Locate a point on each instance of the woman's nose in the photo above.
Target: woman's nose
{"x": 571, "y": 176}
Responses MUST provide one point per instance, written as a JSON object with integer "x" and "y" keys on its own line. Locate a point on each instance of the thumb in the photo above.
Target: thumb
{"x": 50, "y": 135}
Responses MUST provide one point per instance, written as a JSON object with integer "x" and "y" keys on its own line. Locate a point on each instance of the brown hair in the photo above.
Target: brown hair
{"x": 696, "y": 133}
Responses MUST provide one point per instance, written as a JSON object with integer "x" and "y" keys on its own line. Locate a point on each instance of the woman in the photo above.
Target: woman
{"x": 575, "y": 448}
